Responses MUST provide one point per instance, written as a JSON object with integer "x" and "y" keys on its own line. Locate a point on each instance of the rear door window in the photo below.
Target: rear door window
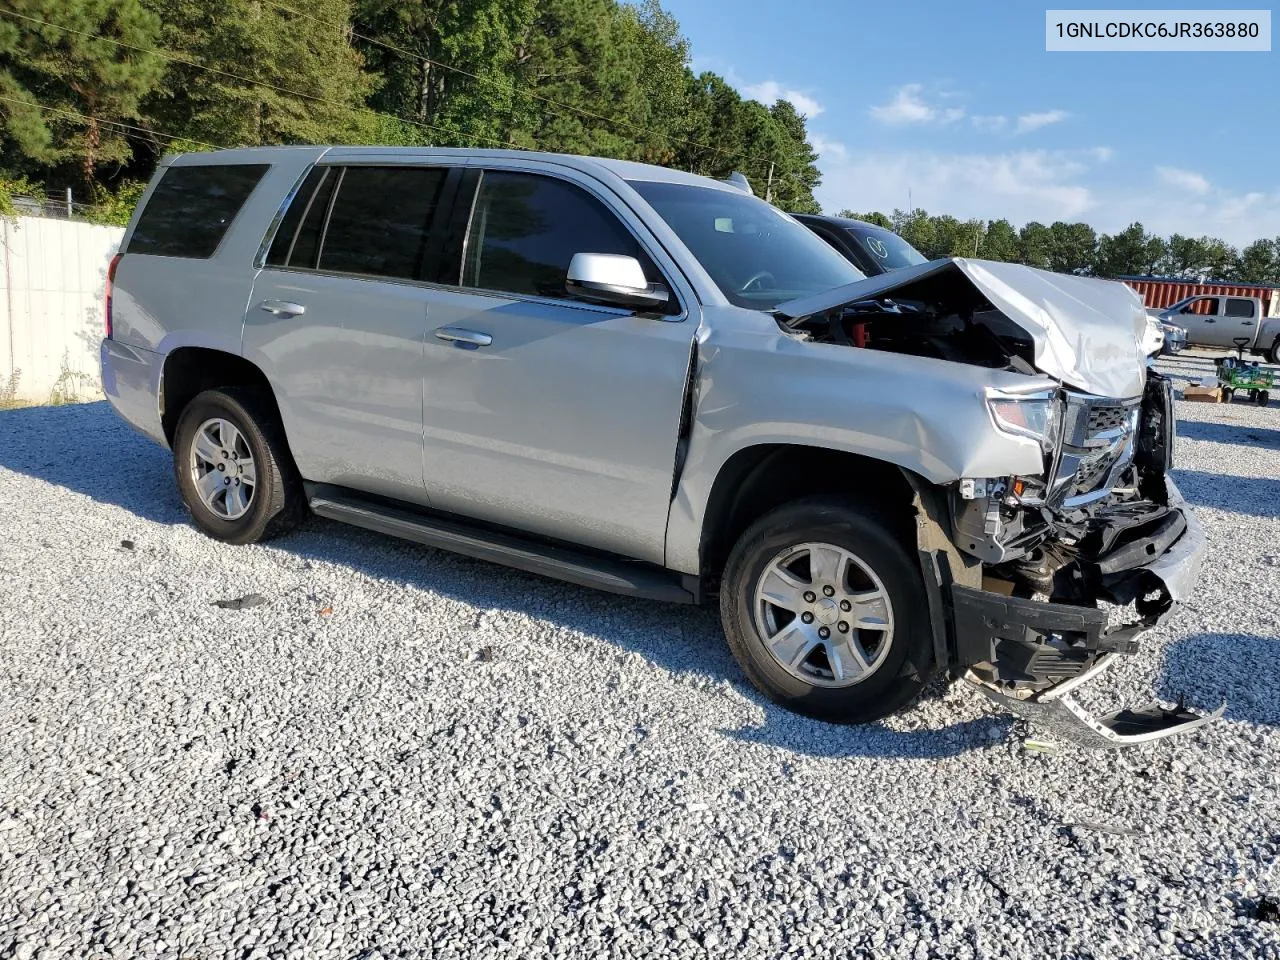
{"x": 1237, "y": 307}
{"x": 525, "y": 229}
{"x": 191, "y": 208}
{"x": 300, "y": 208}
{"x": 380, "y": 220}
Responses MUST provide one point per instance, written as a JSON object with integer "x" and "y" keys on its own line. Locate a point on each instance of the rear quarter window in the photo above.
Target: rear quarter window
{"x": 191, "y": 208}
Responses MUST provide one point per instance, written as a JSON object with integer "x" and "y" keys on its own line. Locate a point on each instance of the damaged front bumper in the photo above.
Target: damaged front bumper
{"x": 1029, "y": 656}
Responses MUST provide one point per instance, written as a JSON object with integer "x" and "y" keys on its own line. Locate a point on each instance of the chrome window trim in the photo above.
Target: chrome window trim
{"x": 583, "y": 305}
{"x": 260, "y": 258}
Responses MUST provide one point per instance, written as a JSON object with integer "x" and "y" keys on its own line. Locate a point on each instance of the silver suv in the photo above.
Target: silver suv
{"x": 656, "y": 384}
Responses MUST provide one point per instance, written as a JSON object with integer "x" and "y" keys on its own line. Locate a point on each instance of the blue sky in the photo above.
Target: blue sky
{"x": 961, "y": 104}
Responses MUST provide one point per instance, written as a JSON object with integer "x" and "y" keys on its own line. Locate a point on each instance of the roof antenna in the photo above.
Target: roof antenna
{"x": 739, "y": 180}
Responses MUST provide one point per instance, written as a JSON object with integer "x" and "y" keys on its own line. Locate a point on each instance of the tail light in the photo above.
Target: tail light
{"x": 111, "y": 279}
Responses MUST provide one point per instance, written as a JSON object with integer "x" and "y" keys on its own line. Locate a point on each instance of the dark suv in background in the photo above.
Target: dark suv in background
{"x": 874, "y": 250}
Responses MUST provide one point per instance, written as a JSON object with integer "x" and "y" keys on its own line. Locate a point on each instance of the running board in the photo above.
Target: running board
{"x": 630, "y": 578}
{"x": 1057, "y": 712}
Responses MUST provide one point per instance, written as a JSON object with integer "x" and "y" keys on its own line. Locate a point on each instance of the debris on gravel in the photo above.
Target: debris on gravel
{"x": 247, "y": 602}
{"x": 463, "y": 761}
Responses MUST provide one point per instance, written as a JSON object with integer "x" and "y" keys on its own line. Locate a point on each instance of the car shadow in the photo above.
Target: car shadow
{"x": 1241, "y": 669}
{"x": 1230, "y": 433}
{"x": 87, "y": 449}
{"x": 1256, "y": 496}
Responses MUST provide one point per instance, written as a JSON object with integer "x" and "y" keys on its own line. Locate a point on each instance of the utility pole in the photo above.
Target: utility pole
{"x": 768, "y": 187}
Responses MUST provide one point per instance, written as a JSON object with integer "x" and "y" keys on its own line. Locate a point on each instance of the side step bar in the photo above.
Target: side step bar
{"x": 632, "y": 579}
{"x": 1057, "y": 712}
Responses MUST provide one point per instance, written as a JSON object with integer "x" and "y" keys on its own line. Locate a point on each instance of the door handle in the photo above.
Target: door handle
{"x": 282, "y": 308}
{"x": 462, "y": 337}
{"x": 1210, "y": 320}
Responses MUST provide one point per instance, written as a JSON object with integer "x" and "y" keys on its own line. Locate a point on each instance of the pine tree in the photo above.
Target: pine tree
{"x": 250, "y": 72}
{"x": 85, "y": 66}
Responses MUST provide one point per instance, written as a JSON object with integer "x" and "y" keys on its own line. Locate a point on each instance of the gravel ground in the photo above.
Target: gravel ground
{"x": 406, "y": 753}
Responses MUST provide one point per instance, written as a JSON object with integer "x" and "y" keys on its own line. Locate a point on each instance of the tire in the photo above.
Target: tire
{"x": 1263, "y": 398}
{"x": 243, "y": 510}
{"x": 896, "y": 664}
{"x": 1274, "y": 353}
{"x": 1227, "y": 394}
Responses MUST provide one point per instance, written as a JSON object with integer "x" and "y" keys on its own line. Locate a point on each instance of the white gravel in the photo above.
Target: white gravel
{"x": 461, "y": 761}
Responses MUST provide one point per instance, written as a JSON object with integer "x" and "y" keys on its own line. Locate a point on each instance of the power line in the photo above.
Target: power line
{"x": 234, "y": 76}
{"x": 111, "y": 123}
{"x": 308, "y": 96}
{"x": 508, "y": 88}
{"x": 514, "y": 91}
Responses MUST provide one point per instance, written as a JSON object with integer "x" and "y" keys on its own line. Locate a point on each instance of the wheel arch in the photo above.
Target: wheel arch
{"x": 764, "y": 476}
{"x": 189, "y": 371}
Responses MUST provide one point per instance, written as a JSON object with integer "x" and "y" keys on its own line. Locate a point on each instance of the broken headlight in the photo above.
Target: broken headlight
{"x": 1037, "y": 416}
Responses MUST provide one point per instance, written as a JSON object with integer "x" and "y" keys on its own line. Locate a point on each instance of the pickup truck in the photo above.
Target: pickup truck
{"x": 642, "y": 380}
{"x": 1216, "y": 320}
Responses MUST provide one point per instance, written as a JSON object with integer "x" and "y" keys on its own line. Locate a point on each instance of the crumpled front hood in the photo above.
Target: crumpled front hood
{"x": 1087, "y": 332}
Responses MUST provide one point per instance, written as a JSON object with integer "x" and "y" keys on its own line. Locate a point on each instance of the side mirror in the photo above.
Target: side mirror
{"x": 613, "y": 279}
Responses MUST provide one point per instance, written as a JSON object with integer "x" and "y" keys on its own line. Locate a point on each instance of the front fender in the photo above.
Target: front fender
{"x": 758, "y": 385}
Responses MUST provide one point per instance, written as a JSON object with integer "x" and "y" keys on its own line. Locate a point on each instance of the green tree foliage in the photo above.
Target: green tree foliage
{"x": 1072, "y": 247}
{"x": 1035, "y": 245}
{"x": 80, "y": 62}
{"x": 253, "y": 73}
{"x": 879, "y": 219}
{"x": 1260, "y": 262}
{"x": 999, "y": 242}
{"x": 411, "y": 47}
{"x": 1076, "y": 248}
{"x": 1131, "y": 252}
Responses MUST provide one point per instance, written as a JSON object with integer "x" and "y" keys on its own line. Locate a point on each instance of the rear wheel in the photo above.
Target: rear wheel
{"x": 1274, "y": 353}
{"x": 234, "y": 469}
{"x": 1263, "y": 398}
{"x": 826, "y": 613}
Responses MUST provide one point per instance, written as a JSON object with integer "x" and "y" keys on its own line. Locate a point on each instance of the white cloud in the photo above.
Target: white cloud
{"x": 1034, "y": 121}
{"x": 770, "y": 92}
{"x": 1044, "y": 185}
{"x": 828, "y": 149}
{"x": 992, "y": 123}
{"x": 908, "y": 106}
{"x": 1184, "y": 180}
{"x": 1020, "y": 185}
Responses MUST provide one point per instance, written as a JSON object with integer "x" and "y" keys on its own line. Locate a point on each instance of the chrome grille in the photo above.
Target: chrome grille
{"x": 1096, "y": 445}
{"x": 1106, "y": 418}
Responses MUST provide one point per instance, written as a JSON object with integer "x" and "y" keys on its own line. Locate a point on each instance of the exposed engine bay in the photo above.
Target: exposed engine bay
{"x": 957, "y": 325}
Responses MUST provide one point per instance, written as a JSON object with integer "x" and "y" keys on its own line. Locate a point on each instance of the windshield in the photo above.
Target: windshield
{"x": 757, "y": 255}
{"x": 886, "y": 248}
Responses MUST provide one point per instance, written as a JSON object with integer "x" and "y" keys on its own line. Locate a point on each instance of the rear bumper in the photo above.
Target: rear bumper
{"x": 131, "y": 382}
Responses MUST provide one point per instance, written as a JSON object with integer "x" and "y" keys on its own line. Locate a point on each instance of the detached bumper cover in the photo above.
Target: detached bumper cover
{"x": 1038, "y": 653}
{"x": 1057, "y": 712}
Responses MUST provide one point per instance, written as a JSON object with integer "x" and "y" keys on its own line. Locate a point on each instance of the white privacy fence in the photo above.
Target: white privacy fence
{"x": 52, "y": 275}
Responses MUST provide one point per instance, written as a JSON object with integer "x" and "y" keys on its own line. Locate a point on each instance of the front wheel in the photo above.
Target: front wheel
{"x": 826, "y": 613}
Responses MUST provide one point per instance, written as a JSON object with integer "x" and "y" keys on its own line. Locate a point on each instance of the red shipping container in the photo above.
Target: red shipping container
{"x": 1164, "y": 293}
